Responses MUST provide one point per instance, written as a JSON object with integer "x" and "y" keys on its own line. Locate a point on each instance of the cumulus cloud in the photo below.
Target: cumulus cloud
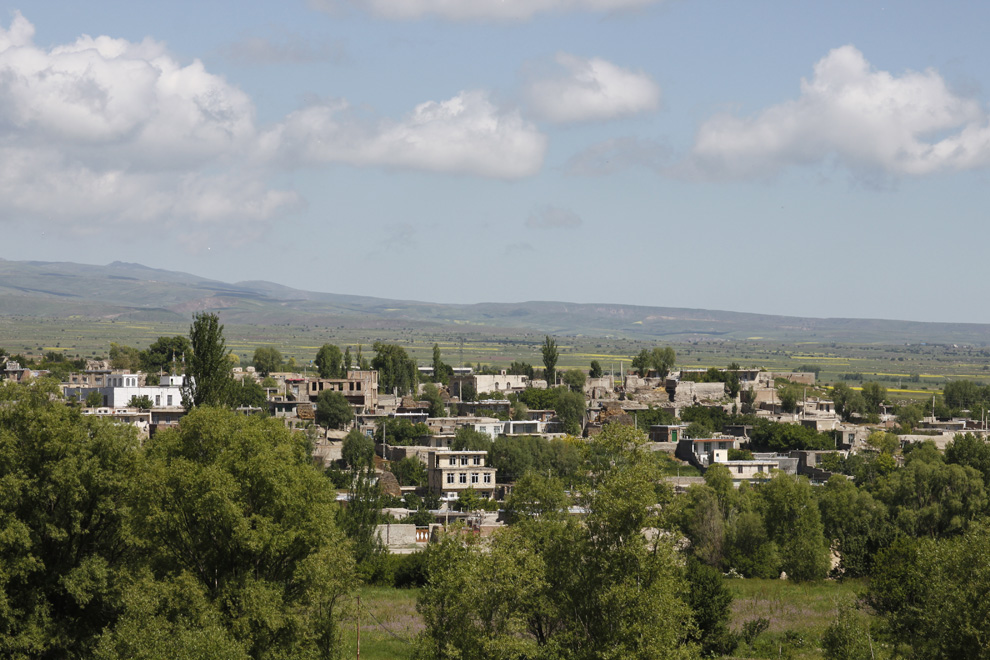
{"x": 468, "y": 10}
{"x": 553, "y": 217}
{"x": 868, "y": 120}
{"x": 105, "y": 130}
{"x": 465, "y": 134}
{"x": 578, "y": 89}
{"x": 617, "y": 154}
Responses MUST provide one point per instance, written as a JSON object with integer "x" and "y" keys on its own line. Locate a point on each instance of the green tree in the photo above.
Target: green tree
{"x": 710, "y": 600}
{"x": 333, "y": 410}
{"x": 575, "y": 379}
{"x": 94, "y": 399}
{"x": 570, "y": 411}
{"x": 329, "y": 362}
{"x": 662, "y": 360}
{"x": 267, "y": 359}
{"x": 788, "y": 396}
{"x": 441, "y": 371}
{"x": 124, "y": 357}
{"x": 347, "y": 359}
{"x": 550, "y": 355}
{"x": 143, "y": 402}
{"x": 596, "y": 370}
{"x": 536, "y": 496}
{"x": 467, "y": 439}
{"x": 521, "y": 369}
{"x": 249, "y": 393}
{"x": 409, "y": 471}
{"x": 848, "y": 636}
{"x": 873, "y": 395}
{"x": 641, "y": 363}
{"x": 63, "y": 522}
{"x": 793, "y": 521}
{"x": 396, "y": 370}
{"x": 235, "y": 505}
{"x": 358, "y": 450}
{"x": 208, "y": 380}
{"x": 166, "y": 354}
{"x": 432, "y": 394}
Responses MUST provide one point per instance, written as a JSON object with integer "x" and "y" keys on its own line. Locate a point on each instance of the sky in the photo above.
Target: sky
{"x": 787, "y": 157}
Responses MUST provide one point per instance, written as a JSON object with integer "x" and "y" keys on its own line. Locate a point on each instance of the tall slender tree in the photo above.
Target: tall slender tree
{"x": 208, "y": 380}
{"x": 550, "y": 356}
{"x": 330, "y": 362}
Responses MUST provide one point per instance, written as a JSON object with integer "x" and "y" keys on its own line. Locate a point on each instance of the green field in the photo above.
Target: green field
{"x": 798, "y": 615}
{"x": 908, "y": 371}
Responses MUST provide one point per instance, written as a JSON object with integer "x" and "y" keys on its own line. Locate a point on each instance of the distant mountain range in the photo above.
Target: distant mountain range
{"x": 138, "y": 293}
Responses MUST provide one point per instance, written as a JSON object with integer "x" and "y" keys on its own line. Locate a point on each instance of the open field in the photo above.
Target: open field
{"x": 908, "y": 371}
{"x": 798, "y": 615}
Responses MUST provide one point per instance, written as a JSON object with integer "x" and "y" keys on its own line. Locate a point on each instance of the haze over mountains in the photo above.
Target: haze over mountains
{"x": 138, "y": 293}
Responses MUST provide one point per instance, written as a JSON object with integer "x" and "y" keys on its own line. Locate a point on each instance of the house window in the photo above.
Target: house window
{"x": 463, "y": 460}
{"x": 463, "y": 478}
{"x": 740, "y": 469}
{"x": 453, "y": 461}
{"x": 476, "y": 460}
{"x": 158, "y": 400}
{"x": 169, "y": 399}
{"x": 474, "y": 477}
{"x": 488, "y": 477}
{"x": 450, "y": 477}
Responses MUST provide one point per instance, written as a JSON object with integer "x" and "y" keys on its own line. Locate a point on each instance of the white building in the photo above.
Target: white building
{"x": 121, "y": 388}
{"x": 450, "y": 472}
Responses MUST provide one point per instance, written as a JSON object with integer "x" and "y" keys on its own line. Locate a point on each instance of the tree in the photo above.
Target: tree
{"x": 409, "y": 471}
{"x": 166, "y": 354}
{"x": 794, "y": 523}
{"x": 575, "y": 379}
{"x": 873, "y": 394}
{"x": 441, "y": 371}
{"x": 536, "y": 496}
{"x": 596, "y": 370}
{"x": 347, "y": 359}
{"x": 143, "y": 402}
{"x": 570, "y": 410}
{"x": 94, "y": 399}
{"x": 267, "y": 359}
{"x": 641, "y": 363}
{"x": 208, "y": 380}
{"x": 662, "y": 360}
{"x": 396, "y": 370}
{"x": 848, "y": 636}
{"x": 234, "y": 507}
{"x": 250, "y": 394}
{"x": 432, "y": 394}
{"x": 550, "y": 356}
{"x": 333, "y": 410}
{"x": 358, "y": 450}
{"x": 710, "y": 600}
{"x": 124, "y": 357}
{"x": 467, "y": 439}
{"x": 63, "y": 519}
{"x": 788, "y": 396}
{"x": 521, "y": 369}
{"x": 330, "y": 362}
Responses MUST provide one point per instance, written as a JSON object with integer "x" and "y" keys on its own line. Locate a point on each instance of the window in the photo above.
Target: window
{"x": 450, "y": 477}
{"x": 476, "y": 460}
{"x": 488, "y": 477}
{"x": 463, "y": 478}
{"x": 169, "y": 399}
{"x": 740, "y": 469}
{"x": 463, "y": 460}
{"x": 453, "y": 460}
{"x": 158, "y": 400}
{"x": 474, "y": 477}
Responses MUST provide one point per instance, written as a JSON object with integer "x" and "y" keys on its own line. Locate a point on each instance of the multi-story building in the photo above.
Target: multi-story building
{"x": 360, "y": 388}
{"x": 450, "y": 472}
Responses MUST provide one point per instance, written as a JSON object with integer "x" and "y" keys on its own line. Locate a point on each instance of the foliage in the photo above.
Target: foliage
{"x": 124, "y": 357}
{"x": 873, "y": 395}
{"x": 596, "y": 370}
{"x": 432, "y": 394}
{"x": 400, "y": 431}
{"x": 550, "y": 355}
{"x": 931, "y": 595}
{"x": 793, "y": 521}
{"x": 710, "y": 601}
{"x": 208, "y": 380}
{"x": 234, "y": 506}
{"x": 143, "y": 402}
{"x": 536, "y": 496}
{"x": 441, "y": 371}
{"x": 659, "y": 360}
{"x": 333, "y": 409}
{"x": 513, "y": 457}
{"x": 166, "y": 354}
{"x": 855, "y": 522}
{"x": 329, "y": 362}
{"x": 467, "y": 439}
{"x": 652, "y": 417}
{"x": 250, "y": 394}
{"x": 357, "y": 450}
{"x": 409, "y": 471}
{"x": 788, "y": 396}
{"x": 848, "y": 636}
{"x": 575, "y": 379}
{"x": 267, "y": 359}
{"x": 778, "y": 436}
{"x": 63, "y": 522}
{"x": 521, "y": 369}
{"x": 570, "y": 409}
{"x": 94, "y": 399}
{"x": 396, "y": 370}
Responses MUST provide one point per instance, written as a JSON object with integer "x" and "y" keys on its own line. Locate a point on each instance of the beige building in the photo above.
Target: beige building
{"x": 450, "y": 472}
{"x": 360, "y": 388}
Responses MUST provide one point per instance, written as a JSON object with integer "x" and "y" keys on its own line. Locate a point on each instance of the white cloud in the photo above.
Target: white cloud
{"x": 468, "y": 10}
{"x": 104, "y": 131}
{"x": 554, "y": 217}
{"x": 465, "y": 134}
{"x": 579, "y": 89}
{"x": 866, "y": 119}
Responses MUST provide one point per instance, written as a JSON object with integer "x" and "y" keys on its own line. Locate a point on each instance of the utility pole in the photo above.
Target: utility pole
{"x": 358, "y": 626}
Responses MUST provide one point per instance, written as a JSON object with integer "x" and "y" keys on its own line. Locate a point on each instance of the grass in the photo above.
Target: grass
{"x": 389, "y": 623}
{"x": 798, "y": 614}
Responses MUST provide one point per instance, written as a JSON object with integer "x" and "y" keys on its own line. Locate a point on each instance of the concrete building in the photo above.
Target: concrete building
{"x": 500, "y": 382}
{"x": 451, "y": 472}
{"x": 360, "y": 388}
{"x": 121, "y": 388}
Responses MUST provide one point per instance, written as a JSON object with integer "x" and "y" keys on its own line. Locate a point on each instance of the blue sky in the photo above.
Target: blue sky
{"x": 799, "y": 158}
